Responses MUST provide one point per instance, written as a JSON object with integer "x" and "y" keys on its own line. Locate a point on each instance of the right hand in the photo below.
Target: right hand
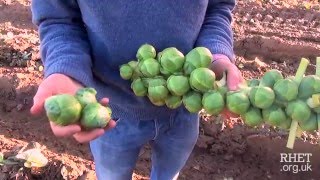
{"x": 57, "y": 84}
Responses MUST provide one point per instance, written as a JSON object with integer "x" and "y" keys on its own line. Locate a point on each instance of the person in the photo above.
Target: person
{"x": 83, "y": 43}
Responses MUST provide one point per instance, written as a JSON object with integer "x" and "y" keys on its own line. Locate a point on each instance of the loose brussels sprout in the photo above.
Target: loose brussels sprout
{"x": 213, "y": 102}
{"x": 126, "y": 72}
{"x": 286, "y": 90}
{"x": 63, "y": 109}
{"x": 95, "y": 115}
{"x": 86, "y": 96}
{"x": 253, "y": 117}
{"x": 309, "y": 85}
{"x": 274, "y": 115}
{"x": 138, "y": 87}
{"x": 178, "y": 85}
{"x": 171, "y": 60}
{"x": 261, "y": 96}
{"x": 202, "y": 79}
{"x": 298, "y": 110}
{"x": 311, "y": 124}
{"x": 270, "y": 78}
{"x": 149, "y": 68}
{"x": 173, "y": 102}
{"x": 237, "y": 101}
{"x": 146, "y": 51}
{"x": 192, "y": 101}
{"x": 197, "y": 58}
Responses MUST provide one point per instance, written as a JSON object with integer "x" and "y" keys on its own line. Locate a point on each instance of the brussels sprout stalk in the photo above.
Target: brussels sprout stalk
{"x": 294, "y": 124}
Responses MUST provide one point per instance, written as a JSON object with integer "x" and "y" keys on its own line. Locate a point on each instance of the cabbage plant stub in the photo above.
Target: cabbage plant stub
{"x": 146, "y": 51}
{"x": 86, "y": 96}
{"x": 213, "y": 102}
{"x": 270, "y": 78}
{"x": 253, "y": 117}
{"x": 274, "y": 115}
{"x": 95, "y": 115}
{"x": 309, "y": 85}
{"x": 298, "y": 110}
{"x": 149, "y": 68}
{"x": 196, "y": 58}
{"x": 237, "y": 101}
{"x": 286, "y": 89}
{"x": 202, "y": 79}
{"x": 178, "y": 85}
{"x": 261, "y": 96}
{"x": 63, "y": 109}
{"x": 171, "y": 60}
{"x": 192, "y": 101}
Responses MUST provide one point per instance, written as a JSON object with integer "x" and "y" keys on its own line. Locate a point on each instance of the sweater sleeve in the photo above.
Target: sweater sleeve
{"x": 64, "y": 46}
{"x": 216, "y": 33}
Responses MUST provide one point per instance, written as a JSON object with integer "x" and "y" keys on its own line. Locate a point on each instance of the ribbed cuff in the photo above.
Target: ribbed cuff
{"x": 221, "y": 49}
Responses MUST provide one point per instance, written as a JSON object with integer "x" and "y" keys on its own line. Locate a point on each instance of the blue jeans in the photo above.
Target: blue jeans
{"x": 172, "y": 140}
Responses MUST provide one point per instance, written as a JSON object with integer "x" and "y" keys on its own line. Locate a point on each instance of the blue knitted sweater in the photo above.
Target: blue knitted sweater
{"x": 89, "y": 39}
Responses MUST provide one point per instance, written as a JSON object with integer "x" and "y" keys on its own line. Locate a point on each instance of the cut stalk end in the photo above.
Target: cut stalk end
{"x": 301, "y": 70}
{"x": 292, "y": 134}
{"x": 318, "y": 66}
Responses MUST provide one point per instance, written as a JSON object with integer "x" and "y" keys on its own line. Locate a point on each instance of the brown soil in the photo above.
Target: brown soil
{"x": 268, "y": 34}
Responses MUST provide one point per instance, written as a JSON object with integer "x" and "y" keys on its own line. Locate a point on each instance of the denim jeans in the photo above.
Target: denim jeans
{"x": 172, "y": 140}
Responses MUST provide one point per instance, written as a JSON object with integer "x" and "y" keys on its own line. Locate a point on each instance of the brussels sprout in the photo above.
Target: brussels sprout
{"x": 171, "y": 60}
{"x": 164, "y": 73}
{"x": 202, "y": 79}
{"x": 149, "y": 68}
{"x": 86, "y": 96}
{"x": 156, "y": 102}
{"x": 213, "y": 102}
{"x": 138, "y": 87}
{"x": 95, "y": 115}
{"x": 178, "y": 85}
{"x": 261, "y": 96}
{"x": 285, "y": 124}
{"x": 63, "y": 109}
{"x": 253, "y": 82}
{"x": 173, "y": 102}
{"x": 298, "y": 110}
{"x": 126, "y": 72}
{"x": 135, "y": 67}
{"x": 192, "y": 101}
{"x": 146, "y": 51}
{"x": 270, "y": 78}
{"x": 311, "y": 124}
{"x": 309, "y": 85}
{"x": 237, "y": 101}
{"x": 253, "y": 117}
{"x": 274, "y": 115}
{"x": 157, "y": 89}
{"x": 197, "y": 58}
{"x": 286, "y": 90}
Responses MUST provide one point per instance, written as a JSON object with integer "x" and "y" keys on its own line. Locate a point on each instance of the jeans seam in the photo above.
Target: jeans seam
{"x": 156, "y": 129}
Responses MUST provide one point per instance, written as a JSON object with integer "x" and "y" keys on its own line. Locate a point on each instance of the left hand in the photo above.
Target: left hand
{"x": 234, "y": 77}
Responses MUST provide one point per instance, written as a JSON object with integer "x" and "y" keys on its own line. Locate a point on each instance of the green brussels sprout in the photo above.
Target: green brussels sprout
{"x": 164, "y": 73}
{"x": 95, "y": 115}
{"x": 138, "y": 87}
{"x": 146, "y": 51}
{"x": 274, "y": 115}
{"x": 309, "y": 85}
{"x": 213, "y": 102}
{"x": 286, "y": 90}
{"x": 285, "y": 124}
{"x": 149, "y": 68}
{"x": 311, "y": 124}
{"x": 253, "y": 82}
{"x": 192, "y": 101}
{"x": 126, "y": 71}
{"x": 63, "y": 109}
{"x": 237, "y": 101}
{"x": 178, "y": 85}
{"x": 157, "y": 89}
{"x": 173, "y": 102}
{"x": 253, "y": 117}
{"x": 261, "y": 96}
{"x": 270, "y": 78}
{"x": 171, "y": 60}
{"x": 135, "y": 67}
{"x": 202, "y": 79}
{"x": 86, "y": 96}
{"x": 298, "y": 110}
{"x": 156, "y": 102}
{"x": 197, "y": 58}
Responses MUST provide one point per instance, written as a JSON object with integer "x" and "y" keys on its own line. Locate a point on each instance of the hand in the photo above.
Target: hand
{"x": 56, "y": 84}
{"x": 234, "y": 78}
